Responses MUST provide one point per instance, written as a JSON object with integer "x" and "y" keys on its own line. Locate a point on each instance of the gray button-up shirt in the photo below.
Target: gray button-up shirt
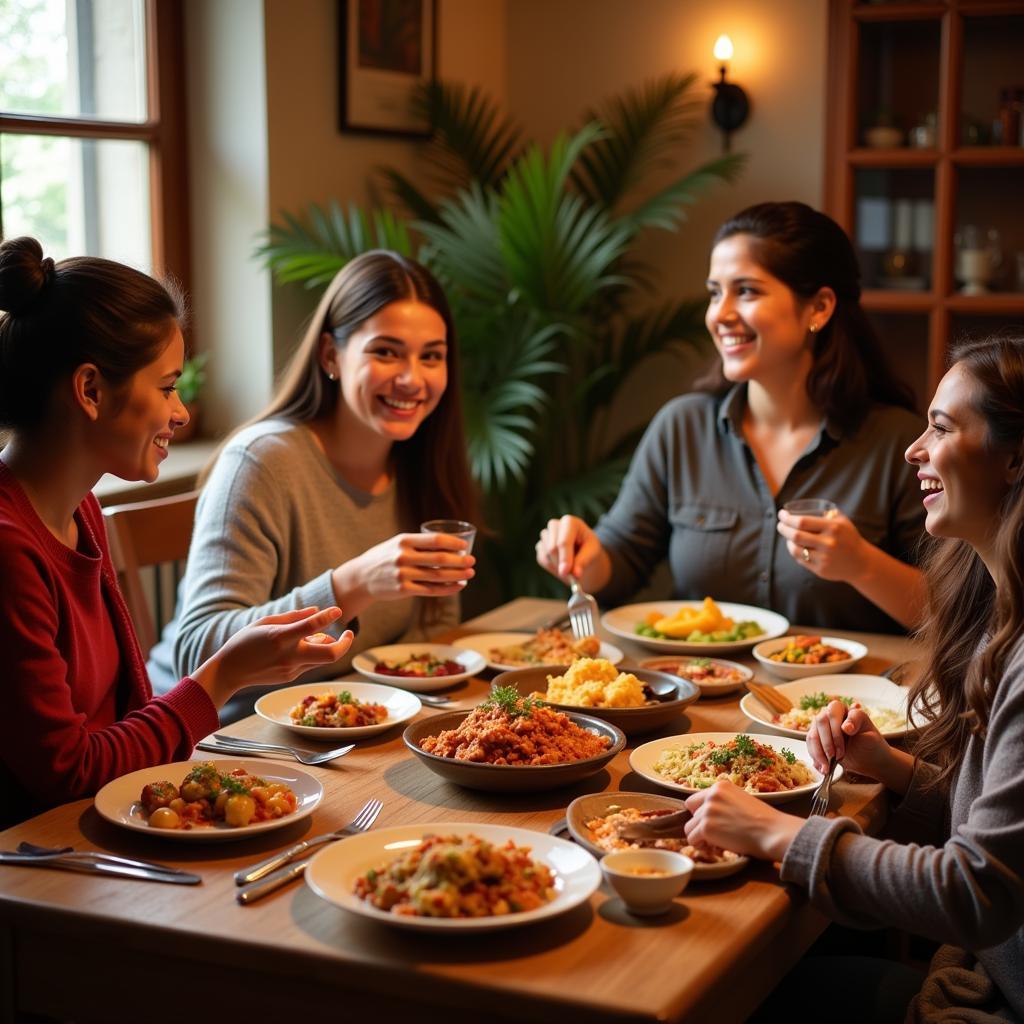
{"x": 695, "y": 493}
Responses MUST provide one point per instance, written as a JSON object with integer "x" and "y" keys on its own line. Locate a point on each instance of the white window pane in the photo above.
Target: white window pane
{"x": 79, "y": 197}
{"x": 73, "y": 58}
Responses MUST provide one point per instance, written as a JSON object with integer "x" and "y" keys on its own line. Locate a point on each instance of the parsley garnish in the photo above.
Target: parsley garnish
{"x": 700, "y": 662}
{"x": 788, "y": 755}
{"x": 509, "y": 700}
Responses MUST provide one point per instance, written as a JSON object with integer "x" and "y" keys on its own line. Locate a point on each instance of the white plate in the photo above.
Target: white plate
{"x": 643, "y": 758}
{"x": 789, "y": 670}
{"x": 275, "y": 705}
{"x": 707, "y": 687}
{"x": 472, "y": 664}
{"x": 118, "y": 801}
{"x": 482, "y": 643}
{"x": 867, "y": 689}
{"x": 332, "y": 872}
{"x": 623, "y": 622}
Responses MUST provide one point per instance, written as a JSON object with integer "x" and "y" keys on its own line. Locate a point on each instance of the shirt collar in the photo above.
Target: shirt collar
{"x": 734, "y": 402}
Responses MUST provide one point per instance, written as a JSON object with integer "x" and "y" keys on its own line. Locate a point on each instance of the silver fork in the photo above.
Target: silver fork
{"x": 819, "y": 802}
{"x": 582, "y": 610}
{"x": 233, "y": 745}
{"x": 270, "y": 874}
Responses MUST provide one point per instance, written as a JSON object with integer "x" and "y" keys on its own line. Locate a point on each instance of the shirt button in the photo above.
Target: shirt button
{"x": 764, "y": 577}
{"x": 770, "y": 514}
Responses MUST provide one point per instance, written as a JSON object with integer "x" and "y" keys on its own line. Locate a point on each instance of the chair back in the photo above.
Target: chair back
{"x": 144, "y": 534}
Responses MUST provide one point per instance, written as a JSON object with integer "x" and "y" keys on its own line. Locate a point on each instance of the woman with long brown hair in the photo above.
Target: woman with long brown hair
{"x": 961, "y": 793}
{"x": 803, "y": 405}
{"x": 319, "y": 499}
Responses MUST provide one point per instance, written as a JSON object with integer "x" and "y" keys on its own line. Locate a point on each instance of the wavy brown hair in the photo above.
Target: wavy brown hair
{"x": 808, "y": 251}
{"x": 965, "y": 607}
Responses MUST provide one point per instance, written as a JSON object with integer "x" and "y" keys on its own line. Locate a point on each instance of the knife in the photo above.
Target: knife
{"x": 257, "y": 890}
{"x": 89, "y": 866}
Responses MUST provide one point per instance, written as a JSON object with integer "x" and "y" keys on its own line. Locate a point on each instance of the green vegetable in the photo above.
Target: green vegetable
{"x": 788, "y": 755}
{"x": 509, "y": 700}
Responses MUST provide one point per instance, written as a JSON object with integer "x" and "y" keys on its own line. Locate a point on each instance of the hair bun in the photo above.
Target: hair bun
{"x": 24, "y": 274}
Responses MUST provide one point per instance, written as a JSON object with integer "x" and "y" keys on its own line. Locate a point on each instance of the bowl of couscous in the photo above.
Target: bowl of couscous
{"x": 635, "y": 700}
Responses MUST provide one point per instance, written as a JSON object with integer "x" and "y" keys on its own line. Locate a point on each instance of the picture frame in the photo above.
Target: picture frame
{"x": 386, "y": 48}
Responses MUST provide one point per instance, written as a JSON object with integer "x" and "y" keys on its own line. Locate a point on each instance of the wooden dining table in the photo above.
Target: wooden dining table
{"x": 93, "y": 949}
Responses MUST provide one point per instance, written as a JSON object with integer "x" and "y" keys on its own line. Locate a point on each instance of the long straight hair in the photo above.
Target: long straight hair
{"x": 432, "y": 474}
{"x": 956, "y": 691}
{"x": 807, "y": 251}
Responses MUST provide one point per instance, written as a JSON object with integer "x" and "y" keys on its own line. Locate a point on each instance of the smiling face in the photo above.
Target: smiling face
{"x": 757, "y": 322}
{"x": 393, "y": 371}
{"x": 963, "y": 480}
{"x": 136, "y": 425}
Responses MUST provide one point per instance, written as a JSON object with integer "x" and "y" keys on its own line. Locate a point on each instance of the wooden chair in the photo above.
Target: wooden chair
{"x": 150, "y": 533}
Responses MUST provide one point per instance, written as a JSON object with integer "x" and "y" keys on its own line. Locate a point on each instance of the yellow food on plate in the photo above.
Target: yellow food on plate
{"x": 595, "y": 683}
{"x": 705, "y": 618}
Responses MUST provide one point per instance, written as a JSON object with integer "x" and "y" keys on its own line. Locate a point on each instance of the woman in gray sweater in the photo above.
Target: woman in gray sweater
{"x": 960, "y": 797}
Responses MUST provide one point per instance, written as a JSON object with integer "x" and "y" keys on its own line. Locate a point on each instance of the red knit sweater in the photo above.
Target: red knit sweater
{"x": 76, "y": 708}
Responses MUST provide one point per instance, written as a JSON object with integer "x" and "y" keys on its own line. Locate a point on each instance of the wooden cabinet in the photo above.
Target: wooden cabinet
{"x": 925, "y": 169}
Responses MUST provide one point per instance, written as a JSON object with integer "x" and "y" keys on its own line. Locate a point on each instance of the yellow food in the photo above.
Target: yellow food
{"x": 595, "y": 683}
{"x": 706, "y": 618}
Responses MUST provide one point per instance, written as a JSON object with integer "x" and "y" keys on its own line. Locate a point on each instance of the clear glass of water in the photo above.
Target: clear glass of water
{"x": 812, "y": 507}
{"x": 454, "y": 527}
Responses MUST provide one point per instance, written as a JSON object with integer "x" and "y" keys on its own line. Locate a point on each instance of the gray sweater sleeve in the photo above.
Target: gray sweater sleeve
{"x": 970, "y": 890}
{"x": 241, "y": 531}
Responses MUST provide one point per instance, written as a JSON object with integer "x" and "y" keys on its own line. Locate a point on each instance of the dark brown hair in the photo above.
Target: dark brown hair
{"x": 807, "y": 251}
{"x": 956, "y": 692}
{"x": 59, "y": 316}
{"x": 432, "y": 469}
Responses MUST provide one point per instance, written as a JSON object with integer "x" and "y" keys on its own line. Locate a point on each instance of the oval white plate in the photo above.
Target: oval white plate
{"x": 401, "y": 705}
{"x": 482, "y": 643}
{"x": 118, "y": 800}
{"x": 707, "y": 687}
{"x": 867, "y": 689}
{"x": 472, "y": 664}
{"x": 788, "y": 670}
{"x": 623, "y": 622}
{"x": 643, "y": 758}
{"x": 332, "y": 873}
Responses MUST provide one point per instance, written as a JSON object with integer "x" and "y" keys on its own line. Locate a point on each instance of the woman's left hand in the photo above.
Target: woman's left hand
{"x": 829, "y": 546}
{"x": 725, "y": 815}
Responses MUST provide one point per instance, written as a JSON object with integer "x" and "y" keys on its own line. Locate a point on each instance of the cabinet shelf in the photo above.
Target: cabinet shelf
{"x": 908, "y": 11}
{"x": 900, "y": 157}
{"x": 993, "y": 304}
{"x": 988, "y": 156}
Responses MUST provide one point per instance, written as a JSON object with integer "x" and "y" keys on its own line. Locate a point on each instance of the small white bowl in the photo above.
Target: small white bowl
{"x": 793, "y": 670}
{"x": 707, "y": 687}
{"x": 646, "y": 894}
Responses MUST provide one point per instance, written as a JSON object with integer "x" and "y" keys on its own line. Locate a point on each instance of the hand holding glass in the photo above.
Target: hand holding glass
{"x": 812, "y": 507}
{"x": 454, "y": 528}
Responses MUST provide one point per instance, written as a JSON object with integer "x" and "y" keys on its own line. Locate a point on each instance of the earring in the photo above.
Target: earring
{"x": 331, "y": 376}
{"x": 813, "y": 328}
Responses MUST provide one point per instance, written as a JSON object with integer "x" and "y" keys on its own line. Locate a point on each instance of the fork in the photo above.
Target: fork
{"x": 258, "y": 880}
{"x": 582, "y": 610}
{"x": 233, "y": 745}
{"x": 437, "y": 702}
{"x": 820, "y": 799}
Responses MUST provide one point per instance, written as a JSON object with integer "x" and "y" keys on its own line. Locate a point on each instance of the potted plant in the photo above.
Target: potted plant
{"x": 189, "y": 386}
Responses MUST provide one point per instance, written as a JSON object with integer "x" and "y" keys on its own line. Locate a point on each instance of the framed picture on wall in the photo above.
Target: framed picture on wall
{"x": 387, "y": 48}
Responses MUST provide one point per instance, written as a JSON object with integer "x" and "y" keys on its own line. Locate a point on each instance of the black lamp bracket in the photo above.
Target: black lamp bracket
{"x": 730, "y": 107}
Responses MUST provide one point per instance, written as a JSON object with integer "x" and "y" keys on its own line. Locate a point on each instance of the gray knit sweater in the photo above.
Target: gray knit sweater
{"x": 961, "y": 881}
{"x": 273, "y": 521}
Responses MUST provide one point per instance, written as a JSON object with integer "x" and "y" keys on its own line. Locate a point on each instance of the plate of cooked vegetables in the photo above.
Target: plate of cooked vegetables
{"x": 796, "y": 657}
{"x": 209, "y": 801}
{"x": 453, "y": 876}
{"x": 694, "y": 627}
{"x": 771, "y": 768}
{"x": 504, "y": 651}
{"x": 419, "y": 667}
{"x": 882, "y": 701}
{"x": 339, "y": 709}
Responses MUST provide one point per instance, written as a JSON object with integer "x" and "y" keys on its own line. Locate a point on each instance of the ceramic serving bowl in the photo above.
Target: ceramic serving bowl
{"x": 797, "y": 670}
{"x": 504, "y": 778}
{"x": 647, "y": 880}
{"x": 670, "y": 695}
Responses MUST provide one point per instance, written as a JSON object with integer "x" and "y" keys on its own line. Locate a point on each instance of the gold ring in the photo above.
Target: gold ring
{"x": 805, "y": 555}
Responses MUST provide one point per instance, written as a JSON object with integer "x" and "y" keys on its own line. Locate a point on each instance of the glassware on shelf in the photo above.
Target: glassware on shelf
{"x": 925, "y": 134}
{"x": 978, "y": 257}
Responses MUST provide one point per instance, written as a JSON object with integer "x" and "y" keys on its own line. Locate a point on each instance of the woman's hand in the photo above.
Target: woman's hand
{"x": 406, "y": 565}
{"x": 853, "y": 739}
{"x": 568, "y": 547}
{"x": 274, "y": 649}
{"x": 834, "y": 547}
{"x": 725, "y": 815}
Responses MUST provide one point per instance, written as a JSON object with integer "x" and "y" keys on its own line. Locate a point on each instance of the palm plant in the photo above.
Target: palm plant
{"x": 533, "y": 247}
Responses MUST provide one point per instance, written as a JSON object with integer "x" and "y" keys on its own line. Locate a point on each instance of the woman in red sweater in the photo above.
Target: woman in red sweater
{"x": 89, "y": 354}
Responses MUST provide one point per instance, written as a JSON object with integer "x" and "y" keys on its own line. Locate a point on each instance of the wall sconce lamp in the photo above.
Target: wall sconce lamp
{"x": 730, "y": 107}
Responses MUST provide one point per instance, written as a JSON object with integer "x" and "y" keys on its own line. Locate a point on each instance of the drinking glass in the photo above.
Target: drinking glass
{"x": 812, "y": 507}
{"x": 455, "y": 527}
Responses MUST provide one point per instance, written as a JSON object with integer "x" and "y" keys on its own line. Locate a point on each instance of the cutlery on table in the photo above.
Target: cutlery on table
{"x": 96, "y": 863}
{"x": 234, "y": 745}
{"x": 582, "y": 611}
{"x": 656, "y": 828}
{"x": 819, "y": 801}
{"x": 770, "y": 697}
{"x": 274, "y": 872}
{"x": 434, "y": 701}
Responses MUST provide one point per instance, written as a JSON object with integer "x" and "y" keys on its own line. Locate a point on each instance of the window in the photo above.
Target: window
{"x": 92, "y": 141}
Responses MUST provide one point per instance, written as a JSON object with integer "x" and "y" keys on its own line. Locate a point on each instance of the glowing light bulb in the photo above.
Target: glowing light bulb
{"x": 723, "y": 48}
